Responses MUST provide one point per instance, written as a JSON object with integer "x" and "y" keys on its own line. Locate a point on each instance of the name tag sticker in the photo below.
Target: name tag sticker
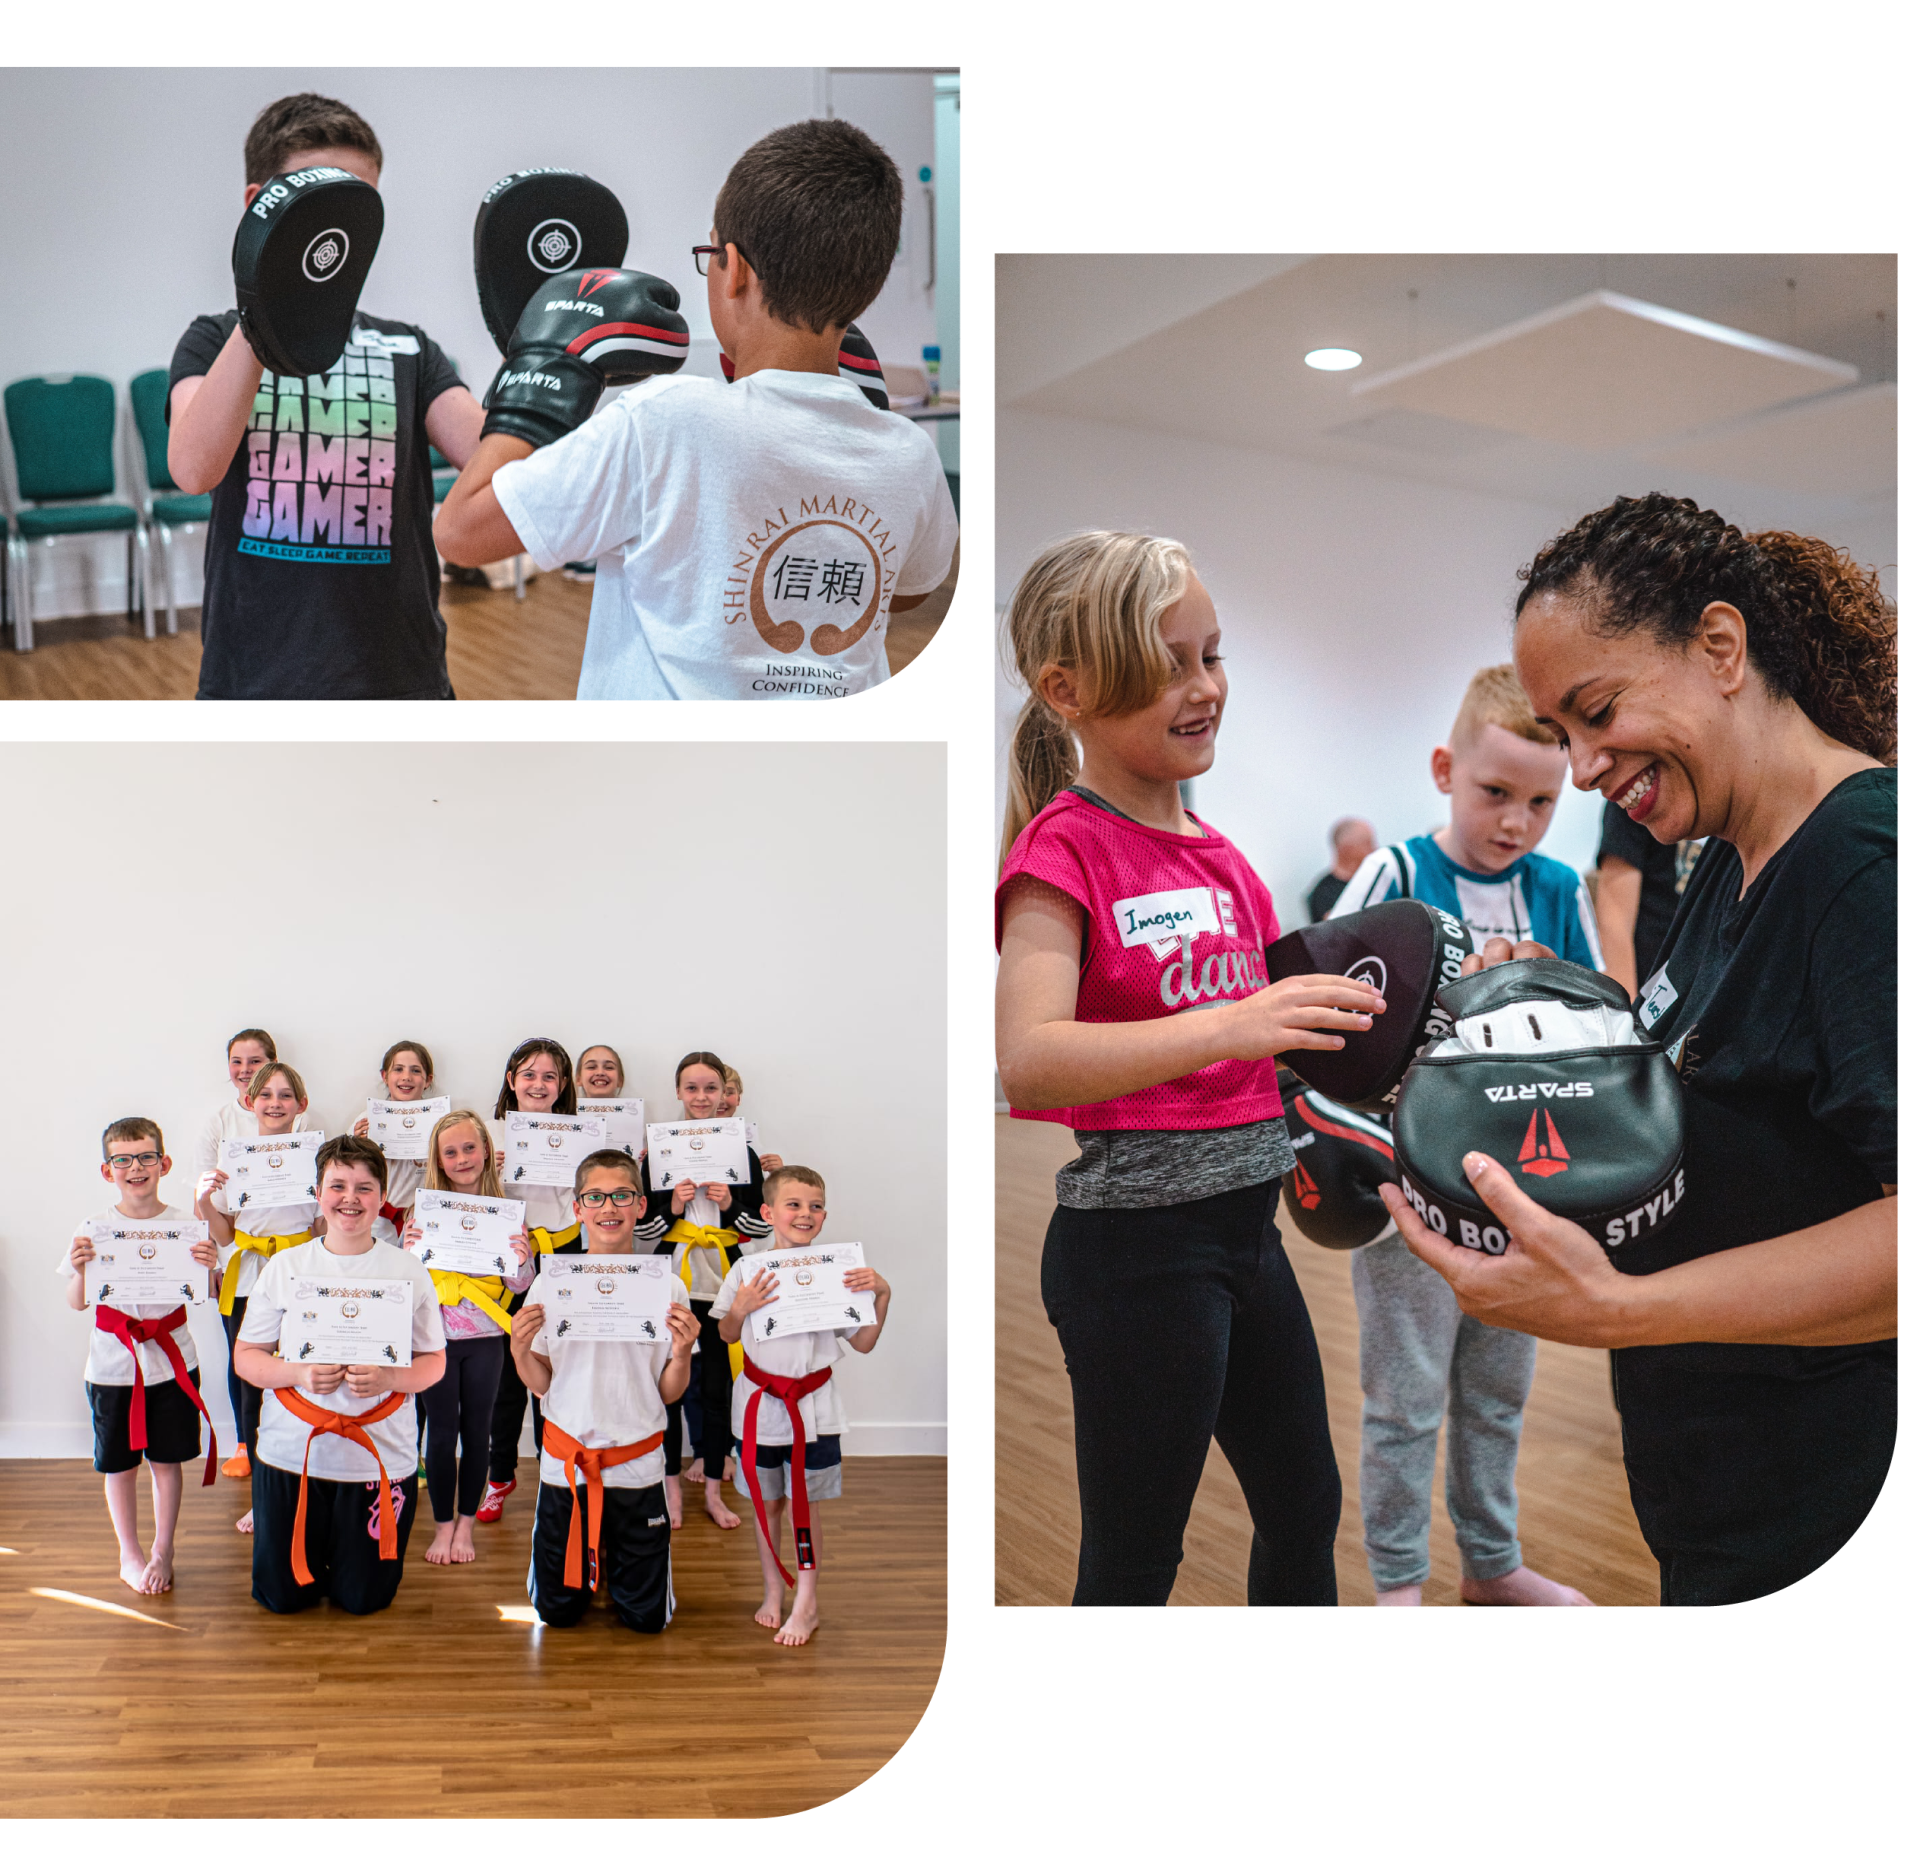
{"x": 1162, "y": 919}
{"x": 1656, "y": 997}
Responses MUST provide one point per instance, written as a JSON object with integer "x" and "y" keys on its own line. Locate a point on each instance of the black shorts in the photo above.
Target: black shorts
{"x": 173, "y": 1425}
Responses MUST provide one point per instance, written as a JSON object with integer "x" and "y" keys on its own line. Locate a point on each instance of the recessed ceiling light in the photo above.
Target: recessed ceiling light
{"x": 1332, "y": 360}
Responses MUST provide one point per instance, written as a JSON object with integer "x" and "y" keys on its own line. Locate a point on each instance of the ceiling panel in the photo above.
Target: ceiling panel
{"x": 1838, "y": 445}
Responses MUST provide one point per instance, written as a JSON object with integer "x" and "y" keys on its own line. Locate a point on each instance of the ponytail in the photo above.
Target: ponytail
{"x": 1092, "y": 604}
{"x": 1819, "y": 631}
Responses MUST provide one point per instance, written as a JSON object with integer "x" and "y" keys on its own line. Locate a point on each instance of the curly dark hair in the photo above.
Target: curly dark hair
{"x": 1819, "y": 631}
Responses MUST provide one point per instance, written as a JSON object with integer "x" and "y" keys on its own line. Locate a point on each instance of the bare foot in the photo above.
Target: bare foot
{"x": 1407, "y": 1596}
{"x": 799, "y": 1628}
{"x": 768, "y": 1613}
{"x": 463, "y": 1541}
{"x": 133, "y": 1572}
{"x": 717, "y": 1508}
{"x": 245, "y": 1525}
{"x": 441, "y": 1549}
{"x": 675, "y": 1516}
{"x": 157, "y": 1578}
{"x": 1521, "y": 1588}
{"x": 696, "y": 1474}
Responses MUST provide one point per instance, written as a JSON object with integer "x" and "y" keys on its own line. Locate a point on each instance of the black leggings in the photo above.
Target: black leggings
{"x": 244, "y": 1396}
{"x": 1182, "y": 1324}
{"x": 459, "y": 1412}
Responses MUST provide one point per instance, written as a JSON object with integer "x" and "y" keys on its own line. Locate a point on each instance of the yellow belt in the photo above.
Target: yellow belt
{"x": 548, "y": 1242}
{"x": 452, "y": 1287}
{"x": 687, "y": 1234}
{"x": 265, "y": 1244}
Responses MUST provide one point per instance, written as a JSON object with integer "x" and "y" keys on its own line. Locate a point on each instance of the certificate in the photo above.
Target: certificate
{"x": 371, "y": 1322}
{"x": 813, "y": 1295}
{"x": 626, "y": 1121}
{"x": 714, "y": 1151}
{"x": 543, "y": 1151}
{"x": 621, "y": 1298}
{"x": 270, "y": 1172}
{"x": 473, "y": 1234}
{"x": 146, "y": 1263}
{"x": 401, "y": 1126}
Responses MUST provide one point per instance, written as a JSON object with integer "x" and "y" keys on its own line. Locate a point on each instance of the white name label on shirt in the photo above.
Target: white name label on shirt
{"x": 1656, "y": 996}
{"x": 1161, "y": 919}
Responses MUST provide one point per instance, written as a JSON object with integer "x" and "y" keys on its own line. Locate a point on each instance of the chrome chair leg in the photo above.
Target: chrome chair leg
{"x": 146, "y": 576}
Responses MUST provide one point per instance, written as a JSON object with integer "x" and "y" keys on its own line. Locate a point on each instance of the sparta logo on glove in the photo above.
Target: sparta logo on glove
{"x": 1594, "y": 1122}
{"x": 1407, "y": 950}
{"x": 1335, "y": 1199}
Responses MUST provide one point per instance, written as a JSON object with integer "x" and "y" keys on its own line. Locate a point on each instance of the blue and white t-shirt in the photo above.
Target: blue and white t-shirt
{"x": 1534, "y": 897}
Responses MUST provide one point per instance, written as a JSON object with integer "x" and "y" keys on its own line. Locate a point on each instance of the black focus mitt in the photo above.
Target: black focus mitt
{"x": 531, "y": 227}
{"x": 1407, "y": 950}
{"x": 300, "y": 256}
{"x": 1546, "y": 1071}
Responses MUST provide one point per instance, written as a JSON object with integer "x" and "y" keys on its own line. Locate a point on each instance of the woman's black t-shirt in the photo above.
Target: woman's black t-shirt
{"x": 1751, "y": 1464}
{"x": 1664, "y": 872}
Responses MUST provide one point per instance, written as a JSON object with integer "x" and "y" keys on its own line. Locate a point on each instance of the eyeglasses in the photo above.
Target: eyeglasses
{"x": 141, "y": 1159}
{"x": 599, "y": 1197}
{"x": 701, "y": 253}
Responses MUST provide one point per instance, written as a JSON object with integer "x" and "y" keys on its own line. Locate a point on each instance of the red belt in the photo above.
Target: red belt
{"x": 350, "y": 1427}
{"x": 590, "y": 1460}
{"x": 788, "y": 1389}
{"x": 398, "y": 1216}
{"x": 132, "y": 1331}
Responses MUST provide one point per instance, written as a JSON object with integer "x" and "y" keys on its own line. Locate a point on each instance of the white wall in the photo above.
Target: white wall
{"x": 1354, "y": 606}
{"x": 81, "y": 153}
{"x": 819, "y": 972}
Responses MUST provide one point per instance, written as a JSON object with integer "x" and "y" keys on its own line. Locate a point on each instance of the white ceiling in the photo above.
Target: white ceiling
{"x": 1207, "y": 347}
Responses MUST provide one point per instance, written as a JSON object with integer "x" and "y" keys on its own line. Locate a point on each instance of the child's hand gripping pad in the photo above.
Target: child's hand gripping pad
{"x": 1340, "y": 1159}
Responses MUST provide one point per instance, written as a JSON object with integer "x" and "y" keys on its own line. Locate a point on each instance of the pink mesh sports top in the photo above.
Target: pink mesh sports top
{"x": 1174, "y": 925}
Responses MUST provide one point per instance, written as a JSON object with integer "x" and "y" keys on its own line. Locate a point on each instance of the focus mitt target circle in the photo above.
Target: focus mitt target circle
{"x": 1546, "y": 1071}
{"x": 533, "y": 226}
{"x": 301, "y": 253}
{"x": 1340, "y": 1159}
{"x": 1407, "y": 950}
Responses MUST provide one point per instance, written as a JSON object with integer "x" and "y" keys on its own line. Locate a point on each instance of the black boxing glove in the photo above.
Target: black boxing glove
{"x": 300, "y": 255}
{"x": 858, "y": 364}
{"x": 1406, "y": 949}
{"x": 1340, "y": 1159}
{"x": 1546, "y": 1071}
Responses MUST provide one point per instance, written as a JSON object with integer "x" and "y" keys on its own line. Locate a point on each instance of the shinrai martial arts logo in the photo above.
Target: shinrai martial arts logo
{"x": 148, "y": 1250}
{"x": 1542, "y": 1155}
{"x": 816, "y": 574}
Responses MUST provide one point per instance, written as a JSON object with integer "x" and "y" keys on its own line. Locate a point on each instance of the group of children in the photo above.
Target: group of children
{"x": 608, "y": 1416}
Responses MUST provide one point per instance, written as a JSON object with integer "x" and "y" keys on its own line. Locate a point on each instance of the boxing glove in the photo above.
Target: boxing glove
{"x": 858, "y": 365}
{"x": 587, "y": 331}
{"x": 1340, "y": 1158}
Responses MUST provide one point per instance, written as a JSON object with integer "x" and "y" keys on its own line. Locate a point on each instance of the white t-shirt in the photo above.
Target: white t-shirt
{"x": 283, "y": 1435}
{"x": 109, "y": 1361}
{"x": 798, "y": 1355}
{"x": 233, "y": 1119}
{"x": 296, "y": 1217}
{"x": 702, "y": 1262}
{"x": 551, "y": 1208}
{"x": 405, "y": 1179}
{"x": 606, "y": 1395}
{"x": 751, "y": 538}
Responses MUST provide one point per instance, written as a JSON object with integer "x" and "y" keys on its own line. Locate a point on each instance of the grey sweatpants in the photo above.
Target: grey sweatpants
{"x": 1421, "y": 1359}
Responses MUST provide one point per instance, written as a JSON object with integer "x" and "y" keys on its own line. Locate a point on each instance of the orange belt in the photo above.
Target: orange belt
{"x": 787, "y": 1389}
{"x": 350, "y": 1427}
{"x": 590, "y": 1460}
{"x": 132, "y": 1331}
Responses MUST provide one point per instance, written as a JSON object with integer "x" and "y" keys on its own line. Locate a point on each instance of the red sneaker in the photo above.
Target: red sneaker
{"x": 494, "y": 1503}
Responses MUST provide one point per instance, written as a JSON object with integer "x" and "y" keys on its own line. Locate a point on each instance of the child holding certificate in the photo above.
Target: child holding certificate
{"x": 143, "y": 1380}
{"x": 602, "y": 1073}
{"x": 730, "y": 1107}
{"x": 539, "y": 1077}
{"x": 708, "y": 1226}
{"x": 604, "y": 1423}
{"x": 474, "y": 1314}
{"x": 407, "y": 1075}
{"x": 340, "y": 1404}
{"x": 804, "y": 1419}
{"x": 277, "y": 1102}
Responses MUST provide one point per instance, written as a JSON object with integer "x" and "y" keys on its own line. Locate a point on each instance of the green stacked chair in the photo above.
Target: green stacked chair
{"x": 165, "y": 506}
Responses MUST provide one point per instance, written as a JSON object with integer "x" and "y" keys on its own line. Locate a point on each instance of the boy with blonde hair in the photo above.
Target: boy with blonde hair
{"x": 1421, "y": 1358}
{"x": 143, "y": 1378}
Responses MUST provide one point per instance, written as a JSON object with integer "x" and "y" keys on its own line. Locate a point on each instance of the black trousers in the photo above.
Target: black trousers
{"x": 343, "y": 1544}
{"x": 459, "y": 1411}
{"x": 244, "y": 1396}
{"x": 636, "y": 1557}
{"x": 1180, "y": 1325}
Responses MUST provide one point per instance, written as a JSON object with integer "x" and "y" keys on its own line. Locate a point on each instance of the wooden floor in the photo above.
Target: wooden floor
{"x": 497, "y": 647}
{"x": 1576, "y": 1523}
{"x": 440, "y": 1706}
